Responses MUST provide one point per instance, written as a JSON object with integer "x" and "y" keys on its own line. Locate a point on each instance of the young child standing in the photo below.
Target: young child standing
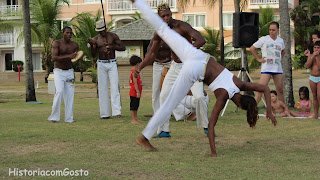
{"x": 315, "y": 38}
{"x": 279, "y": 109}
{"x": 313, "y": 63}
{"x": 303, "y": 105}
{"x": 136, "y": 89}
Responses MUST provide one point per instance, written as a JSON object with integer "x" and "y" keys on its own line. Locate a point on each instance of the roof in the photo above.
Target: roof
{"x": 136, "y": 30}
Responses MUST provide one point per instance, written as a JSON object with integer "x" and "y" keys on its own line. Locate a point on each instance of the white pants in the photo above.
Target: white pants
{"x": 188, "y": 105}
{"x": 193, "y": 68}
{"x": 197, "y": 91}
{"x": 64, "y": 84}
{"x": 156, "y": 77}
{"x": 108, "y": 72}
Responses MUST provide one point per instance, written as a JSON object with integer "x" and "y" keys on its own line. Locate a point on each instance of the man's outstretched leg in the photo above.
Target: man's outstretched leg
{"x": 144, "y": 142}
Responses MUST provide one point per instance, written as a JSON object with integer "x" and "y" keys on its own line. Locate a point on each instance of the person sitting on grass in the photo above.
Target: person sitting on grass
{"x": 199, "y": 66}
{"x": 135, "y": 91}
{"x": 279, "y": 109}
{"x": 303, "y": 105}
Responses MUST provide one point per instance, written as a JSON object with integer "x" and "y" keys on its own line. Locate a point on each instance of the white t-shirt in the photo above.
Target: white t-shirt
{"x": 271, "y": 50}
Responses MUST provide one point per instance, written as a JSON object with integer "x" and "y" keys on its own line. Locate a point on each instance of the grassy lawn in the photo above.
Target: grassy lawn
{"x": 107, "y": 149}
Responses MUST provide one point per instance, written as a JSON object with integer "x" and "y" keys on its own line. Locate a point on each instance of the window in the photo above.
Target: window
{"x": 227, "y": 19}
{"x": 36, "y": 61}
{"x": 195, "y": 20}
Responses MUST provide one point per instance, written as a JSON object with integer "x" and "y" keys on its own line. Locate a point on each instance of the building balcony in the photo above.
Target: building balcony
{"x": 255, "y": 4}
{"x": 116, "y": 7}
{"x": 10, "y": 10}
{"x": 6, "y": 39}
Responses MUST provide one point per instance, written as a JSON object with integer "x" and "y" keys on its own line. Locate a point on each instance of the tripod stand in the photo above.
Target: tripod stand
{"x": 241, "y": 73}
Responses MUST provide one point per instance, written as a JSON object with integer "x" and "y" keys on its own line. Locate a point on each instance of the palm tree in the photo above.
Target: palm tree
{"x": 212, "y": 42}
{"x": 45, "y": 14}
{"x": 265, "y": 18}
{"x": 136, "y": 16}
{"x": 30, "y": 91}
{"x": 287, "y": 65}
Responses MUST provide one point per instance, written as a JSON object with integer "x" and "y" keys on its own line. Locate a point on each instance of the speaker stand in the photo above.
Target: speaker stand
{"x": 241, "y": 73}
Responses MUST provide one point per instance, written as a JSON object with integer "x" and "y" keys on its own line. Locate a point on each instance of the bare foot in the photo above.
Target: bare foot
{"x": 134, "y": 121}
{"x": 191, "y": 117}
{"x": 144, "y": 142}
{"x": 313, "y": 116}
{"x": 139, "y": 120}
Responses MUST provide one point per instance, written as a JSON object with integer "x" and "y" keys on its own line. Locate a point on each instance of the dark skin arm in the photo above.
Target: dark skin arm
{"x": 152, "y": 53}
{"x": 222, "y": 97}
{"x": 248, "y": 86}
{"x": 118, "y": 46}
{"x": 197, "y": 38}
{"x": 135, "y": 82}
{"x": 93, "y": 46}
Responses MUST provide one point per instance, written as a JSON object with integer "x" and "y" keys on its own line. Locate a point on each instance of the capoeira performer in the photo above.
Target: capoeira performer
{"x": 186, "y": 110}
{"x": 185, "y": 30}
{"x": 198, "y": 65}
{"x": 107, "y": 43}
{"x": 161, "y": 59}
{"x": 63, "y": 51}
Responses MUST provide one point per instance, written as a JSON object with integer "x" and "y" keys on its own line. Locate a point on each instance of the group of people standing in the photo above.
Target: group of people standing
{"x": 177, "y": 44}
{"x": 104, "y": 44}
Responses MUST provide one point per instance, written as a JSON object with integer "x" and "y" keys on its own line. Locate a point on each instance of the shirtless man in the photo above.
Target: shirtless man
{"x": 107, "y": 43}
{"x": 197, "y": 40}
{"x": 198, "y": 65}
{"x": 63, "y": 51}
{"x": 162, "y": 58}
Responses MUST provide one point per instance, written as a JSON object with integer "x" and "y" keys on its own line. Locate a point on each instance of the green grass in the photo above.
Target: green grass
{"x": 107, "y": 149}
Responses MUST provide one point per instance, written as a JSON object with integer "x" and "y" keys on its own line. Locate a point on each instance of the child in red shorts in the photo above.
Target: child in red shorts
{"x": 135, "y": 91}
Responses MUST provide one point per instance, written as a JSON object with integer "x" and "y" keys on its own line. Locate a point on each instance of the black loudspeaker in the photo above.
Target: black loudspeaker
{"x": 245, "y": 29}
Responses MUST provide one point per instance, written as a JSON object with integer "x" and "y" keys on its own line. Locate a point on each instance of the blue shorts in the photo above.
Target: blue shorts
{"x": 314, "y": 79}
{"x": 272, "y": 73}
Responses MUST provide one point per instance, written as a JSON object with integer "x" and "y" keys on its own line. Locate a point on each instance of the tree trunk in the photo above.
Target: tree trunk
{"x": 30, "y": 90}
{"x": 286, "y": 60}
{"x": 236, "y": 5}
{"x": 221, "y": 33}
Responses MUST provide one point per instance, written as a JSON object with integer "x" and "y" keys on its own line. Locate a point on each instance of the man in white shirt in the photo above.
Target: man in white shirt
{"x": 272, "y": 49}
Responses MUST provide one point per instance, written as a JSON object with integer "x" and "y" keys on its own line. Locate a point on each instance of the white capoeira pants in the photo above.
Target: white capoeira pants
{"x": 193, "y": 69}
{"x": 156, "y": 78}
{"x": 188, "y": 105}
{"x": 197, "y": 91}
{"x": 64, "y": 84}
{"x": 108, "y": 72}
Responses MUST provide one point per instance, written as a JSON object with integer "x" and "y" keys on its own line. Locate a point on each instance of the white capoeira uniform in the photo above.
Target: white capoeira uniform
{"x": 193, "y": 69}
{"x": 108, "y": 71}
{"x": 197, "y": 91}
{"x": 64, "y": 84}
{"x": 225, "y": 81}
{"x": 156, "y": 78}
{"x": 188, "y": 106}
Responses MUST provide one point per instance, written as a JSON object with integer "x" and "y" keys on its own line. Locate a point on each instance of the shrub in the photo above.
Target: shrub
{"x": 15, "y": 65}
{"x": 233, "y": 64}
